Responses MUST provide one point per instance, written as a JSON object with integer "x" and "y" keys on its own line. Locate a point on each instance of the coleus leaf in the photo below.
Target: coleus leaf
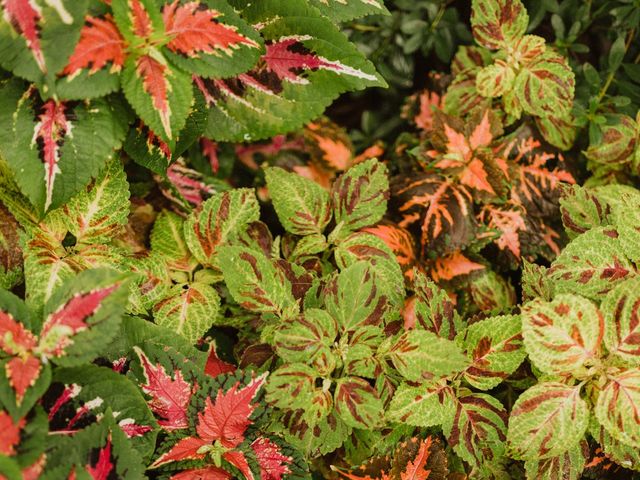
{"x": 189, "y": 309}
{"x": 423, "y": 406}
{"x": 274, "y": 464}
{"x": 462, "y": 95}
{"x": 547, "y": 420}
{"x": 622, "y": 321}
{"x": 563, "y": 336}
{"x": 569, "y": 465}
{"x": 344, "y": 10}
{"x": 307, "y": 62}
{"x": 10, "y": 250}
{"x": 617, "y": 405}
{"x": 620, "y": 453}
{"x": 36, "y": 38}
{"x": 495, "y": 348}
{"x": 10, "y": 436}
{"x": 217, "y": 221}
{"x": 454, "y": 266}
{"x": 400, "y": 241}
{"x": 358, "y": 403}
{"x": 497, "y": 24}
{"x": 61, "y": 145}
{"x": 591, "y": 265}
{"x": 618, "y": 148}
{"x": 328, "y": 435}
{"x": 292, "y": 387}
{"x": 581, "y": 209}
{"x": 302, "y": 205}
{"x": 415, "y": 362}
{"x": 359, "y": 196}
{"x": 254, "y": 281}
{"x": 168, "y": 241}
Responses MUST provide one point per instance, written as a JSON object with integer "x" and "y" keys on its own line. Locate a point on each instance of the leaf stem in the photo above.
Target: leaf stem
{"x": 612, "y": 74}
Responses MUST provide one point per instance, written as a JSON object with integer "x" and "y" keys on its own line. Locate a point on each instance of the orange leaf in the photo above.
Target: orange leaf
{"x": 452, "y": 266}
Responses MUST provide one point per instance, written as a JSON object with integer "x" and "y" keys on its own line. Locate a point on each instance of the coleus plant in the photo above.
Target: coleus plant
{"x": 153, "y": 76}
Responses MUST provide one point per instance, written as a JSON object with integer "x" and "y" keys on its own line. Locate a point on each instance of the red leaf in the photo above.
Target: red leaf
{"x": 100, "y": 43}
{"x": 49, "y": 132}
{"x": 33, "y": 471}
{"x": 195, "y": 30}
{"x": 104, "y": 466}
{"x": 416, "y": 469}
{"x": 424, "y": 118}
{"x": 210, "y": 150}
{"x": 9, "y": 433}
{"x": 169, "y": 397}
{"x": 156, "y": 85}
{"x": 24, "y": 15}
{"x": 284, "y": 62}
{"x": 215, "y": 366}
{"x": 14, "y": 338}
{"x": 70, "y": 319}
{"x": 69, "y": 392}
{"x": 238, "y": 460}
{"x": 141, "y": 21}
{"x": 186, "y": 449}
{"x": 209, "y": 473}
{"x": 452, "y": 266}
{"x": 189, "y": 183}
{"x": 22, "y": 373}
{"x": 273, "y": 464}
{"x": 131, "y": 429}
{"x": 227, "y": 419}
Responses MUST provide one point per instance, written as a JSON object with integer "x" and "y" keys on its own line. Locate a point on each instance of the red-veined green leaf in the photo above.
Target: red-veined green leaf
{"x": 618, "y": 405}
{"x": 358, "y": 403}
{"x": 498, "y": 23}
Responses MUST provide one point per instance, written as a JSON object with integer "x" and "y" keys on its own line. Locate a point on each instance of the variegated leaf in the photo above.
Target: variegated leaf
{"x": 344, "y": 10}
{"x": 433, "y": 309}
{"x": 591, "y": 265}
{"x": 568, "y": 466}
{"x": 546, "y": 421}
{"x": 617, "y": 147}
{"x": 582, "y": 209}
{"x": 621, "y": 309}
{"x": 11, "y": 272}
{"x": 302, "y": 205}
{"x": 423, "y": 405}
{"x": 167, "y": 240}
{"x": 292, "y": 386}
{"x": 358, "y": 403}
{"x": 498, "y": 23}
{"x": 618, "y": 405}
{"x": 254, "y": 281}
{"x": 189, "y": 310}
{"x": 621, "y": 453}
{"x": 329, "y": 434}
{"x": 422, "y": 355}
{"x": 495, "y": 348}
{"x": 563, "y": 336}
{"x": 217, "y": 221}
{"x": 359, "y": 196}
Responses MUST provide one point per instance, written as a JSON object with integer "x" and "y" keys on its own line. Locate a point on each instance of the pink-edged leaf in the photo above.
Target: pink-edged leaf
{"x": 210, "y": 150}
{"x": 132, "y": 429}
{"x": 197, "y": 30}
{"x": 208, "y": 473}
{"x": 14, "y": 337}
{"x": 24, "y": 15}
{"x": 273, "y": 463}
{"x": 227, "y": 418}
{"x": 186, "y": 449}
{"x": 215, "y": 366}
{"x": 71, "y": 318}
{"x": 100, "y": 44}
{"x": 284, "y": 59}
{"x": 189, "y": 183}
{"x": 9, "y": 433}
{"x": 155, "y": 83}
{"x": 103, "y": 468}
{"x": 50, "y": 132}
{"x": 169, "y": 396}
{"x": 69, "y": 392}
{"x": 238, "y": 460}
{"x": 22, "y": 373}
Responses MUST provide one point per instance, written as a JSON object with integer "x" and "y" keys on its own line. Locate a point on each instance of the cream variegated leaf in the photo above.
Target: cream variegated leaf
{"x": 424, "y": 405}
{"x": 621, "y": 309}
{"x": 568, "y": 466}
{"x": 618, "y": 405}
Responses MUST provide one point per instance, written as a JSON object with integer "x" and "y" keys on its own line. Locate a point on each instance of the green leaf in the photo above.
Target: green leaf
{"x": 568, "y": 466}
{"x": 560, "y": 131}
{"x": 345, "y": 10}
{"x": 354, "y": 298}
{"x": 54, "y": 149}
{"x": 302, "y": 205}
{"x": 359, "y": 197}
{"x": 422, "y": 406}
{"x": 546, "y": 421}
{"x": 189, "y": 310}
{"x": 361, "y": 358}
{"x": 168, "y": 241}
{"x": 422, "y": 355}
{"x": 498, "y": 23}
{"x": 477, "y": 430}
{"x": 563, "y": 336}
{"x": 99, "y": 213}
{"x": 621, "y": 326}
{"x": 361, "y": 246}
{"x": 617, "y": 406}
{"x": 535, "y": 282}
{"x": 293, "y": 387}
{"x": 591, "y": 265}
{"x": 624, "y": 455}
{"x": 545, "y": 87}
{"x": 328, "y": 435}
{"x": 254, "y": 281}
{"x": 617, "y": 148}
{"x": 495, "y": 80}
{"x": 357, "y": 403}
{"x": 217, "y": 221}
{"x": 495, "y": 348}
{"x": 433, "y": 310}
{"x": 582, "y": 209}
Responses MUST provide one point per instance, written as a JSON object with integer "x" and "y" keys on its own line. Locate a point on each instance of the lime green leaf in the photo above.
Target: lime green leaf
{"x": 495, "y": 80}
{"x": 498, "y": 23}
{"x": 582, "y": 209}
{"x": 293, "y": 386}
{"x": 563, "y": 336}
{"x": 621, "y": 321}
{"x": 495, "y": 348}
{"x": 434, "y": 310}
{"x": 254, "y": 281}
{"x": 357, "y": 403}
{"x": 307, "y": 338}
{"x": 546, "y": 421}
{"x": 422, "y": 406}
{"x": 329, "y": 434}
{"x": 567, "y": 466}
{"x": 420, "y": 355}
{"x": 621, "y": 453}
{"x": 219, "y": 219}
{"x": 302, "y": 205}
{"x": 189, "y": 310}
{"x": 618, "y": 146}
{"x": 359, "y": 196}
{"x": 168, "y": 242}
{"x": 617, "y": 406}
